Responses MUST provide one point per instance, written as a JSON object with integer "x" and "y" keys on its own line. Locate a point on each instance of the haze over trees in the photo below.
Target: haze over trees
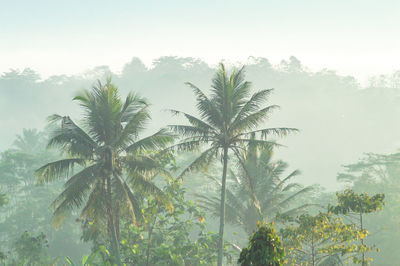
{"x": 123, "y": 189}
{"x": 319, "y": 103}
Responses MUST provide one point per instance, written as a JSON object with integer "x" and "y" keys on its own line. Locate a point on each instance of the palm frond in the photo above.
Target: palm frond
{"x": 143, "y": 165}
{"x": 72, "y": 139}
{"x": 57, "y": 170}
{"x": 189, "y": 131}
{"x": 155, "y": 142}
{"x": 253, "y": 120}
{"x": 249, "y": 182}
{"x": 95, "y": 206}
{"x": 148, "y": 186}
{"x": 295, "y": 195}
{"x": 291, "y": 186}
{"x": 196, "y": 122}
{"x": 277, "y": 131}
{"x": 206, "y": 107}
{"x": 75, "y": 190}
{"x": 133, "y": 103}
{"x": 200, "y": 162}
{"x": 290, "y": 176}
{"x": 257, "y": 143}
{"x": 102, "y": 107}
{"x": 252, "y": 105}
{"x": 188, "y": 144}
{"x": 132, "y": 201}
{"x": 134, "y": 125}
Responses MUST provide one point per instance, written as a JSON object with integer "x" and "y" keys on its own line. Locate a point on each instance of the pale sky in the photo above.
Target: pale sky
{"x": 354, "y": 37}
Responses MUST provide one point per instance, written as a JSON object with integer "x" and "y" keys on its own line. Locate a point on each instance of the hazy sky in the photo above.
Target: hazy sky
{"x": 356, "y": 37}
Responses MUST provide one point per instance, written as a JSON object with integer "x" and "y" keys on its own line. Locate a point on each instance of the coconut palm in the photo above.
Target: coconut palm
{"x": 227, "y": 119}
{"x": 258, "y": 190}
{"x": 113, "y": 161}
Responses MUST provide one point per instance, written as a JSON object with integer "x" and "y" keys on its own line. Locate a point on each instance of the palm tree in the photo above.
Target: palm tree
{"x": 30, "y": 141}
{"x": 228, "y": 117}
{"x": 111, "y": 157}
{"x": 257, "y": 191}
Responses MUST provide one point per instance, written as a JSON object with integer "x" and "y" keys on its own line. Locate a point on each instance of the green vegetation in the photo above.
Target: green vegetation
{"x": 377, "y": 173}
{"x": 113, "y": 159}
{"x": 265, "y": 248}
{"x": 335, "y": 236}
{"x": 32, "y": 250}
{"x": 229, "y": 119}
{"x": 118, "y": 194}
{"x": 170, "y": 238}
{"x": 3, "y": 199}
{"x": 257, "y": 192}
{"x": 350, "y": 203}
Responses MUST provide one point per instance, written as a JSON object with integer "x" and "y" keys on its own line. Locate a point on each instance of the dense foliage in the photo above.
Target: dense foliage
{"x": 336, "y": 235}
{"x": 265, "y": 248}
{"x": 170, "y": 238}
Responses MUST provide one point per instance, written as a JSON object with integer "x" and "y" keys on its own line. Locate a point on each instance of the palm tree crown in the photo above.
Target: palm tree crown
{"x": 227, "y": 118}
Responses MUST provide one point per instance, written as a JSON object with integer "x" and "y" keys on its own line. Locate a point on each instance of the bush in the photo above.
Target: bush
{"x": 265, "y": 248}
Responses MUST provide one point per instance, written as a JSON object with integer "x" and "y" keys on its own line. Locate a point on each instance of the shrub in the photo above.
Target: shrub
{"x": 265, "y": 248}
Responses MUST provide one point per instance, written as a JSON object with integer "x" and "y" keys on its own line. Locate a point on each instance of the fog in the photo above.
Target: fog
{"x": 190, "y": 133}
{"x": 339, "y": 120}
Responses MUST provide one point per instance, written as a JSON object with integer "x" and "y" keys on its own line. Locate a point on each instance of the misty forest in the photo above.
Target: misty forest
{"x": 183, "y": 163}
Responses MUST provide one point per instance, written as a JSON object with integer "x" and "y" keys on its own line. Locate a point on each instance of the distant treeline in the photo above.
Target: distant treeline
{"x": 325, "y": 106}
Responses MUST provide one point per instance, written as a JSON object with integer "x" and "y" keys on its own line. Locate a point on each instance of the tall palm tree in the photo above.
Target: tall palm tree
{"x": 258, "y": 190}
{"x": 111, "y": 157}
{"x": 227, "y": 119}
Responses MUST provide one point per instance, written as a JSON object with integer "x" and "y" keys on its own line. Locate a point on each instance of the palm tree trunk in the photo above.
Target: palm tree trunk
{"x": 222, "y": 208}
{"x": 111, "y": 225}
{"x": 151, "y": 227}
{"x": 362, "y": 240}
{"x": 312, "y": 249}
{"x": 117, "y": 230}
